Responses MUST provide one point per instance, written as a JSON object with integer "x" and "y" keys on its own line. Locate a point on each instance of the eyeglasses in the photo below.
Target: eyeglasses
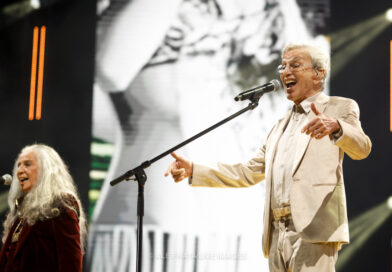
{"x": 293, "y": 67}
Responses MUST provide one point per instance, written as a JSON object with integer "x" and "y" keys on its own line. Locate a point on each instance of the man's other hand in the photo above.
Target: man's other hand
{"x": 321, "y": 125}
{"x": 180, "y": 168}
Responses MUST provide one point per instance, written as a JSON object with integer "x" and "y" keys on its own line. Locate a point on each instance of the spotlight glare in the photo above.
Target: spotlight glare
{"x": 388, "y": 15}
{"x": 389, "y": 202}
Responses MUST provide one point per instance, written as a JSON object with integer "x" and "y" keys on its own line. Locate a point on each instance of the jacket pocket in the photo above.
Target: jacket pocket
{"x": 324, "y": 184}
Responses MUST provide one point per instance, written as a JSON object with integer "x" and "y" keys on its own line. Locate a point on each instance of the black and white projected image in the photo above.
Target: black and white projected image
{"x": 166, "y": 70}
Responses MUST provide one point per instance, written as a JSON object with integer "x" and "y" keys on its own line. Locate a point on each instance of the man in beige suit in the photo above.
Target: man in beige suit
{"x": 305, "y": 217}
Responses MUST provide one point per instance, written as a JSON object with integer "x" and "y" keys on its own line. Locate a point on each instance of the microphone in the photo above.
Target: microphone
{"x": 257, "y": 92}
{"x": 6, "y": 179}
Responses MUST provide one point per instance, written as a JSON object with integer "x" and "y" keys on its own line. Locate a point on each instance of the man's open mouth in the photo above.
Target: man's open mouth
{"x": 290, "y": 83}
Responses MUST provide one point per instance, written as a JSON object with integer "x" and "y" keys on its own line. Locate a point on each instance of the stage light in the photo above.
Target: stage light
{"x": 388, "y": 15}
{"x": 389, "y": 202}
{"x": 35, "y": 4}
{"x": 362, "y": 227}
{"x": 350, "y": 41}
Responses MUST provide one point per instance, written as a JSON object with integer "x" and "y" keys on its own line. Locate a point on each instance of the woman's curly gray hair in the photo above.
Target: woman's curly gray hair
{"x": 53, "y": 190}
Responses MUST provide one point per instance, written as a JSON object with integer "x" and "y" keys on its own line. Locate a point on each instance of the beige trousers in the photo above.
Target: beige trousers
{"x": 289, "y": 253}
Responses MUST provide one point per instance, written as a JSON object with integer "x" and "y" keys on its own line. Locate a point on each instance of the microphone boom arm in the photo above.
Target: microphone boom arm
{"x": 131, "y": 173}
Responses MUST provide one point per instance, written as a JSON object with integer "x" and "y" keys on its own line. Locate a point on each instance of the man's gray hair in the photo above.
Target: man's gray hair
{"x": 320, "y": 58}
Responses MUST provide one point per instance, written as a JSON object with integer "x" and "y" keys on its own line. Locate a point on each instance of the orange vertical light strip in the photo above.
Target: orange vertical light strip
{"x": 33, "y": 73}
{"x": 40, "y": 72}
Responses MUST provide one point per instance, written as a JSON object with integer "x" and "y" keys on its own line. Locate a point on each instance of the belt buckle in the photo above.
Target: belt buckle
{"x": 281, "y": 214}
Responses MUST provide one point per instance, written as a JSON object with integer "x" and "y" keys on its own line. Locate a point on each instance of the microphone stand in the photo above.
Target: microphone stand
{"x": 138, "y": 174}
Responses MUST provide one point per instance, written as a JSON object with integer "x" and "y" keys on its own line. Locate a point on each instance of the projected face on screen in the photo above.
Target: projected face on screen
{"x": 164, "y": 71}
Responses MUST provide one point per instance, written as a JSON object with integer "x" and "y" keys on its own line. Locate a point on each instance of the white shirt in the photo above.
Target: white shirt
{"x": 282, "y": 165}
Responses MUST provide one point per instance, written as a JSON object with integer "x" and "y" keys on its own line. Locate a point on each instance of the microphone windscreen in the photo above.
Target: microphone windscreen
{"x": 277, "y": 85}
{"x": 7, "y": 179}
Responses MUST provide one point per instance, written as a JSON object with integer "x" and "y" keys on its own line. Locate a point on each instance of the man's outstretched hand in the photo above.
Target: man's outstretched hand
{"x": 321, "y": 125}
{"x": 180, "y": 168}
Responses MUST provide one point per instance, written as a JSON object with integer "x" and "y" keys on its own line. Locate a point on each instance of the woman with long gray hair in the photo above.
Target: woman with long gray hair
{"x": 45, "y": 228}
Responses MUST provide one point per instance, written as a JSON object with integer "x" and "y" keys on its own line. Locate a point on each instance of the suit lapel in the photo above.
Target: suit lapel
{"x": 273, "y": 142}
{"x": 304, "y": 139}
{"x": 276, "y": 137}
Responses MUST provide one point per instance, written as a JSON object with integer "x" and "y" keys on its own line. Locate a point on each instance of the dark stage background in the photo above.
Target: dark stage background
{"x": 366, "y": 78}
{"x": 67, "y": 105}
{"x": 67, "y": 91}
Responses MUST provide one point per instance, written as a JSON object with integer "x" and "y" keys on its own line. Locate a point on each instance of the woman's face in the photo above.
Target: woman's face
{"x": 27, "y": 170}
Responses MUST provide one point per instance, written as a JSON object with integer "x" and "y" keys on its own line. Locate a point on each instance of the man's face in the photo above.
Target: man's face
{"x": 27, "y": 170}
{"x": 299, "y": 77}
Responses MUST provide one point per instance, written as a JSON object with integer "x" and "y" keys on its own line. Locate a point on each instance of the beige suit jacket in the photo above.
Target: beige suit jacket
{"x": 317, "y": 194}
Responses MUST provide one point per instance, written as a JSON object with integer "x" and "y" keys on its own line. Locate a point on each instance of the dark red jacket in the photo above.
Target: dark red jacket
{"x": 50, "y": 245}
